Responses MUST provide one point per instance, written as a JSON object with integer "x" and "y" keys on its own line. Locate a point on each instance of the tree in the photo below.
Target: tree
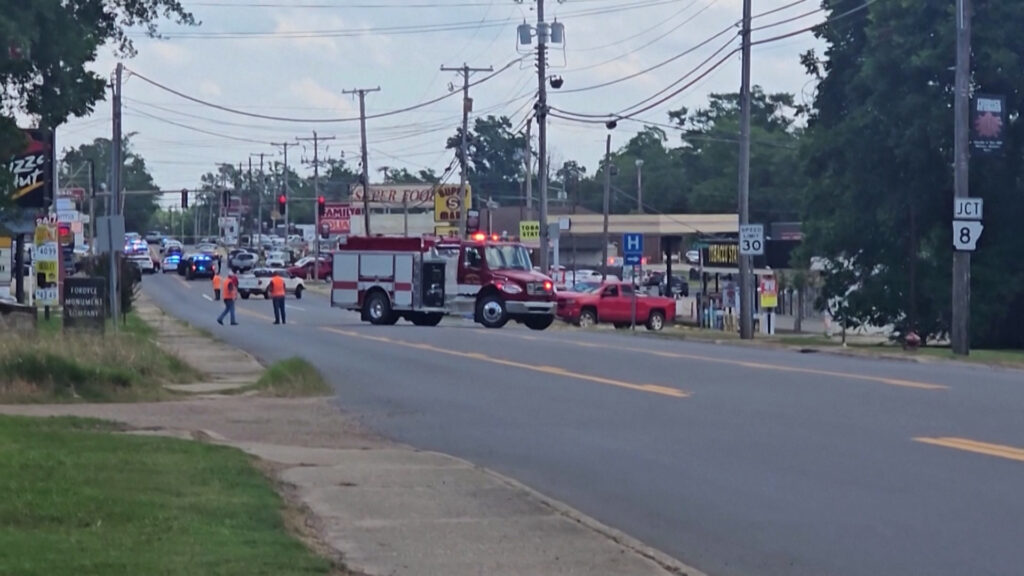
{"x": 879, "y": 156}
{"x": 403, "y": 176}
{"x": 710, "y": 156}
{"x": 139, "y": 209}
{"x": 494, "y": 165}
{"x": 46, "y": 47}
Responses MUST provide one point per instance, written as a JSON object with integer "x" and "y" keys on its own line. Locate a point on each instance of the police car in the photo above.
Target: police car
{"x": 197, "y": 266}
{"x": 170, "y": 262}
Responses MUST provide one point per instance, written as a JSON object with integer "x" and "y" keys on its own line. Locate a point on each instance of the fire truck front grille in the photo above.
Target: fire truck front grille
{"x": 535, "y": 289}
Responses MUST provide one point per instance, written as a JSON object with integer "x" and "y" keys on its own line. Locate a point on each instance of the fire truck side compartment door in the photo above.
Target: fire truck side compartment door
{"x": 432, "y": 284}
{"x": 346, "y": 273}
{"x": 378, "y": 266}
{"x": 403, "y": 280}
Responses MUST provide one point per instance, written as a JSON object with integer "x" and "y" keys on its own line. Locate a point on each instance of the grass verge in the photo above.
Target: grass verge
{"x": 291, "y": 378}
{"x": 80, "y": 499}
{"x": 58, "y": 366}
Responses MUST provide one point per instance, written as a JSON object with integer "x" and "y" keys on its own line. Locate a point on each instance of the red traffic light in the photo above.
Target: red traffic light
{"x": 321, "y": 205}
{"x": 282, "y": 199}
{"x": 321, "y": 200}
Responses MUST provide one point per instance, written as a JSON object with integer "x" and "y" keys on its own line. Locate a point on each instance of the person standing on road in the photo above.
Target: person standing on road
{"x": 230, "y": 295}
{"x": 216, "y": 285}
{"x": 277, "y": 294}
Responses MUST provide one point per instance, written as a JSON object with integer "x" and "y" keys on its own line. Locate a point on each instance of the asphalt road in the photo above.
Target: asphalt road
{"x": 736, "y": 461}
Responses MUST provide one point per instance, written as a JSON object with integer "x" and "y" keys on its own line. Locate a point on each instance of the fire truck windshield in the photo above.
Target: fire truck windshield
{"x": 508, "y": 257}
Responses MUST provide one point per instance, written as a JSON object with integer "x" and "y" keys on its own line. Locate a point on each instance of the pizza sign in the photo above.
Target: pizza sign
{"x": 31, "y": 172}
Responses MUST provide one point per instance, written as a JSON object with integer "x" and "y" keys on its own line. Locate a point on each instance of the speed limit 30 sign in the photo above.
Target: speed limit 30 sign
{"x": 751, "y": 240}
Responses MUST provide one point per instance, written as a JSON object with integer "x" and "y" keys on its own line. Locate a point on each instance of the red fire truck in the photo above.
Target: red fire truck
{"x": 424, "y": 279}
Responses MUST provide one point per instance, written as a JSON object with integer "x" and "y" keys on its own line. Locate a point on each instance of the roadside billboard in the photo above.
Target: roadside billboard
{"x": 337, "y": 218}
{"x": 32, "y": 171}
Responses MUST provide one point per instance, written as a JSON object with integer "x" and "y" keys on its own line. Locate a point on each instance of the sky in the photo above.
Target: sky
{"x": 293, "y": 59}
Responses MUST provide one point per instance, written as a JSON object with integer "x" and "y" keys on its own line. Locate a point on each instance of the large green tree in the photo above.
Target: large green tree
{"x": 879, "y": 153}
{"x": 710, "y": 156}
{"x": 495, "y": 165}
{"x": 46, "y": 46}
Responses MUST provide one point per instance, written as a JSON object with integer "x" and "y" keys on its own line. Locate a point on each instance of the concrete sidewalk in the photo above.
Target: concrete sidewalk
{"x": 383, "y": 508}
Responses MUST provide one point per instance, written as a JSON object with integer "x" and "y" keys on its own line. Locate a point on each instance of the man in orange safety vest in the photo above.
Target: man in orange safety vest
{"x": 277, "y": 294}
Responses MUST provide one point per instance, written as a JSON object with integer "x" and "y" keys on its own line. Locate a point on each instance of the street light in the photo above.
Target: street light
{"x": 639, "y": 185}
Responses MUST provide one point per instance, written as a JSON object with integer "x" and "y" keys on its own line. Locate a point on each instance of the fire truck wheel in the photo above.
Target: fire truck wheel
{"x": 491, "y": 311}
{"x": 378, "y": 309}
{"x": 538, "y": 322}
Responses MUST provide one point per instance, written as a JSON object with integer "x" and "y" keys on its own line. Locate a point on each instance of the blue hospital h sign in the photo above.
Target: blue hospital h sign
{"x": 632, "y": 243}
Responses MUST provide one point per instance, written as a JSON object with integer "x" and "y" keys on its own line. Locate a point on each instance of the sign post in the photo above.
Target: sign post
{"x": 633, "y": 255}
{"x": 6, "y": 264}
{"x": 752, "y": 240}
{"x": 967, "y": 226}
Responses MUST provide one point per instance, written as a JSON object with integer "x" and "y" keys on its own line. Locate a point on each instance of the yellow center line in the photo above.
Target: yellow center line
{"x": 741, "y": 363}
{"x": 998, "y": 450}
{"x": 553, "y": 370}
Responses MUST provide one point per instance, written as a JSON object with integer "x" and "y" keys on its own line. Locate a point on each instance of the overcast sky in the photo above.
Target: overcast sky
{"x": 293, "y": 59}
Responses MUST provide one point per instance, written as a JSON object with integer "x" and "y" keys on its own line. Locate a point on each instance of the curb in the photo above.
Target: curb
{"x": 663, "y": 560}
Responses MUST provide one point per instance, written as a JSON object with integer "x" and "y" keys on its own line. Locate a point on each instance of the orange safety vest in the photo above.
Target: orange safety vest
{"x": 277, "y": 287}
{"x": 230, "y": 290}
{"x": 216, "y": 281}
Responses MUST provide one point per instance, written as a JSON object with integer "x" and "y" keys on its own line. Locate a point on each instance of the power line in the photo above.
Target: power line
{"x": 315, "y": 120}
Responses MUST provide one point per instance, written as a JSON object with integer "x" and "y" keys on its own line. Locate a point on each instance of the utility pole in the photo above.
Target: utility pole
{"x": 114, "y": 200}
{"x": 746, "y": 277}
{"x": 92, "y": 203}
{"x": 529, "y": 169}
{"x": 366, "y": 167}
{"x": 467, "y": 107}
{"x": 259, "y": 199}
{"x": 284, "y": 186}
{"x": 606, "y": 206}
{"x": 542, "y": 132}
{"x": 961, "y": 328}
{"x": 316, "y": 197}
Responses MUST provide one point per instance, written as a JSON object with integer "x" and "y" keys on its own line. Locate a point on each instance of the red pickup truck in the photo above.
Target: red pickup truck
{"x": 612, "y": 303}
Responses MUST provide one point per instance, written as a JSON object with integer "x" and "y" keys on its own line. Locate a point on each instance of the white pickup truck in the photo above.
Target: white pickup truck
{"x": 258, "y": 282}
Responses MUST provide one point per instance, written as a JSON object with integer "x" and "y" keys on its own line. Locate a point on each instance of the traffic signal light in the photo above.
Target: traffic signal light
{"x": 184, "y": 198}
{"x": 282, "y": 203}
{"x": 321, "y": 206}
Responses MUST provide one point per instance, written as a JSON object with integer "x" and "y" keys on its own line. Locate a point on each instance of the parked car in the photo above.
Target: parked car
{"x": 612, "y": 303}
{"x": 242, "y": 261}
{"x": 680, "y": 287}
{"x": 144, "y": 262}
{"x": 258, "y": 282}
{"x": 277, "y": 259}
{"x": 304, "y": 268}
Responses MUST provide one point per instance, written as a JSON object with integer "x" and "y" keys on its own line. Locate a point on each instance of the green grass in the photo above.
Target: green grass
{"x": 292, "y": 377}
{"x": 58, "y": 366}
{"x": 79, "y": 499}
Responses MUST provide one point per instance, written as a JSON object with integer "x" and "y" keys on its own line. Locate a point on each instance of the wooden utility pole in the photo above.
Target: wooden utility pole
{"x": 467, "y": 107}
{"x": 284, "y": 186}
{"x": 961, "y": 328}
{"x": 746, "y": 277}
{"x": 529, "y": 169}
{"x": 316, "y": 197}
{"x": 606, "y": 205}
{"x": 366, "y": 166}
